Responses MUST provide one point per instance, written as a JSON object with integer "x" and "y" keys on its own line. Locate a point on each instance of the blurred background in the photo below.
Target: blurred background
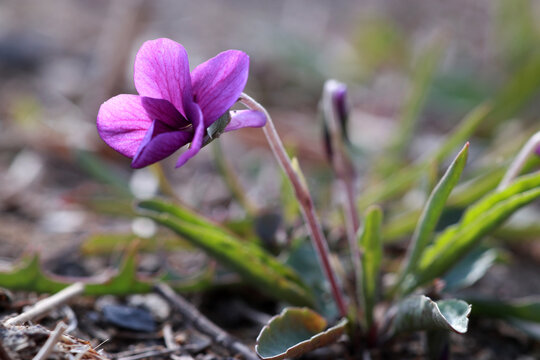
{"x": 419, "y": 62}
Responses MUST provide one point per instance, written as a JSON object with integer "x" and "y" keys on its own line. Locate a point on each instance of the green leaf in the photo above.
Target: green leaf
{"x": 454, "y": 243}
{"x": 419, "y": 312}
{"x": 431, "y": 214}
{"x": 294, "y": 332}
{"x": 303, "y": 259}
{"x": 527, "y": 309}
{"x": 371, "y": 243}
{"x": 27, "y": 275}
{"x": 463, "y": 195}
{"x": 520, "y": 185}
{"x": 125, "y": 281}
{"x": 251, "y": 262}
{"x": 471, "y": 269}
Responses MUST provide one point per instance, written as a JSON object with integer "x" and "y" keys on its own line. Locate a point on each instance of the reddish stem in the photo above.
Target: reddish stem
{"x": 304, "y": 199}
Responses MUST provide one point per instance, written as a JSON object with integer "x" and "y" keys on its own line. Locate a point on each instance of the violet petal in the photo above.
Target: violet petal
{"x": 245, "y": 118}
{"x": 218, "y": 82}
{"x": 164, "y": 111}
{"x": 196, "y": 117}
{"x": 159, "y": 142}
{"x": 162, "y": 71}
{"x": 122, "y": 123}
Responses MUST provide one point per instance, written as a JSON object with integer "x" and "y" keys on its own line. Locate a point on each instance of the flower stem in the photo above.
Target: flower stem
{"x": 517, "y": 165}
{"x": 304, "y": 199}
{"x": 344, "y": 172}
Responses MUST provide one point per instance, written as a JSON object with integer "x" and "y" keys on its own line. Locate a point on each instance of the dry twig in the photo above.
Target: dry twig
{"x": 203, "y": 324}
{"x": 47, "y": 304}
{"x": 168, "y": 337}
{"x": 48, "y": 347}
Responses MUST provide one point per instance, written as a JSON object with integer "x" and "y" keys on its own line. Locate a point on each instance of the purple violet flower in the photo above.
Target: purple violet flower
{"x": 174, "y": 107}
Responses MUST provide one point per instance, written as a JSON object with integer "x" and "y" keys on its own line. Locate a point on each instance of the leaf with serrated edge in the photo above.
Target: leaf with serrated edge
{"x": 27, "y": 275}
{"x": 294, "y": 332}
{"x": 419, "y": 312}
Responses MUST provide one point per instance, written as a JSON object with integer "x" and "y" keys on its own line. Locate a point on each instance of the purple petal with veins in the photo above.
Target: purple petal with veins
{"x": 162, "y": 72}
{"x": 218, "y": 82}
{"x": 122, "y": 123}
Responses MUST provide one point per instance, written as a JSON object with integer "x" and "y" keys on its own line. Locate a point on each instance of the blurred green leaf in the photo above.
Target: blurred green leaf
{"x": 400, "y": 225}
{"x": 251, "y": 262}
{"x": 231, "y": 179}
{"x": 294, "y": 332}
{"x": 395, "y": 185}
{"x": 457, "y": 90}
{"x": 419, "y": 312}
{"x": 530, "y": 328}
{"x": 178, "y": 211}
{"x": 404, "y": 179}
{"x": 378, "y": 42}
{"x": 106, "y": 243}
{"x": 522, "y": 87}
{"x": 519, "y": 231}
{"x": 101, "y": 171}
{"x": 422, "y": 77}
{"x": 527, "y": 309}
{"x": 463, "y": 195}
{"x": 516, "y": 29}
{"x": 462, "y": 132}
{"x": 27, "y": 275}
{"x": 124, "y": 282}
{"x": 432, "y": 212}
{"x": 110, "y": 205}
{"x": 520, "y": 185}
{"x": 471, "y": 269}
{"x": 371, "y": 243}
